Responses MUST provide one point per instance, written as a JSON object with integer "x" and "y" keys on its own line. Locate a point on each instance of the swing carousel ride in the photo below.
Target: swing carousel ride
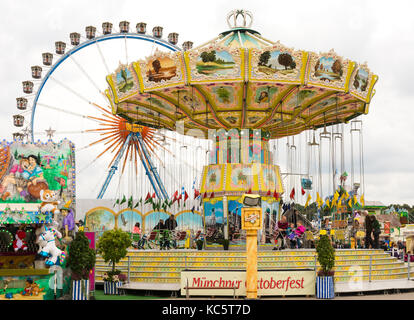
{"x": 207, "y": 119}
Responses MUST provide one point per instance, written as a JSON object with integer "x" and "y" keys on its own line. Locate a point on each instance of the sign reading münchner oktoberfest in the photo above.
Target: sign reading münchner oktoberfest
{"x": 269, "y": 283}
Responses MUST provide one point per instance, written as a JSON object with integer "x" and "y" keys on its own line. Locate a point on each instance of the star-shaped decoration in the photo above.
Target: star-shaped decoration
{"x": 50, "y": 132}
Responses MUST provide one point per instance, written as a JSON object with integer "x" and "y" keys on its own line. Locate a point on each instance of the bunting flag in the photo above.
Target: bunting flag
{"x": 116, "y": 202}
{"x": 318, "y": 200}
{"x": 205, "y": 195}
{"x": 153, "y": 195}
{"x": 350, "y": 202}
{"x": 336, "y": 195}
{"x": 339, "y": 205}
{"x": 192, "y": 209}
{"x": 355, "y": 199}
{"x": 308, "y": 199}
{"x": 196, "y": 193}
{"x": 303, "y": 192}
{"x": 268, "y": 193}
{"x": 130, "y": 203}
{"x": 123, "y": 200}
{"x": 327, "y": 202}
{"x": 276, "y": 195}
{"x": 138, "y": 203}
{"x": 346, "y": 194}
{"x": 333, "y": 202}
{"x": 250, "y": 191}
{"x": 292, "y": 194}
{"x": 212, "y": 195}
{"x": 185, "y": 197}
{"x": 148, "y": 199}
{"x": 362, "y": 200}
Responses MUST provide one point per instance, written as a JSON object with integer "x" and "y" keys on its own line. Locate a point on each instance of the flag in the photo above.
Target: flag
{"x": 333, "y": 202}
{"x": 303, "y": 192}
{"x": 116, "y": 202}
{"x": 318, "y": 199}
{"x": 292, "y": 194}
{"x": 339, "y": 205}
{"x": 148, "y": 199}
{"x": 327, "y": 202}
{"x": 336, "y": 195}
{"x": 362, "y": 200}
{"x": 276, "y": 195}
{"x": 268, "y": 193}
{"x": 346, "y": 194}
{"x": 250, "y": 191}
{"x": 185, "y": 197}
{"x": 192, "y": 209}
{"x": 138, "y": 202}
{"x": 212, "y": 195}
{"x": 130, "y": 203}
{"x": 196, "y": 193}
{"x": 350, "y": 202}
{"x": 355, "y": 199}
{"x": 123, "y": 200}
{"x": 153, "y": 195}
{"x": 307, "y": 200}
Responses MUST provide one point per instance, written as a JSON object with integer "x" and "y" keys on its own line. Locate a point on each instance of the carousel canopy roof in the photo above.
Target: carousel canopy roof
{"x": 242, "y": 80}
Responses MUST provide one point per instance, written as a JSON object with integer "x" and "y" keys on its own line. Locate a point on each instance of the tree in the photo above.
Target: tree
{"x": 156, "y": 64}
{"x": 337, "y": 67}
{"x": 285, "y": 59}
{"x": 292, "y": 65}
{"x": 81, "y": 258}
{"x": 317, "y": 65}
{"x": 124, "y": 75}
{"x": 113, "y": 246}
{"x": 204, "y": 56}
{"x": 264, "y": 58}
{"x": 211, "y": 56}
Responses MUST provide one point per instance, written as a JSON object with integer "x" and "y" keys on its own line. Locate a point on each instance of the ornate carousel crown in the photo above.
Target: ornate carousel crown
{"x": 233, "y": 15}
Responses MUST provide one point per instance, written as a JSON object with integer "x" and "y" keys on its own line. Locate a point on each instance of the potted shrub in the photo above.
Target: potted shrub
{"x": 326, "y": 258}
{"x": 199, "y": 243}
{"x": 81, "y": 260}
{"x": 113, "y": 247}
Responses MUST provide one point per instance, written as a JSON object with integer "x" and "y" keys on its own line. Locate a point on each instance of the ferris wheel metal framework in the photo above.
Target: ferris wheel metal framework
{"x": 133, "y": 136}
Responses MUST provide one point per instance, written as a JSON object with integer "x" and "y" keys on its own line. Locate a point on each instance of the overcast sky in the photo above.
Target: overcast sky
{"x": 377, "y": 32}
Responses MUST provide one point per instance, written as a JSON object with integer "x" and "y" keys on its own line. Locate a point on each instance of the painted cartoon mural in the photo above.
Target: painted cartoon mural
{"x": 37, "y": 173}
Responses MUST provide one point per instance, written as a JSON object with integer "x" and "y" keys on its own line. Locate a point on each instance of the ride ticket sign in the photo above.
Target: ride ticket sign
{"x": 269, "y": 283}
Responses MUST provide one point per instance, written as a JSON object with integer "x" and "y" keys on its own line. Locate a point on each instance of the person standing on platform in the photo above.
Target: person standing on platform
{"x": 369, "y": 243}
{"x": 376, "y": 230}
{"x": 170, "y": 225}
{"x": 282, "y": 226}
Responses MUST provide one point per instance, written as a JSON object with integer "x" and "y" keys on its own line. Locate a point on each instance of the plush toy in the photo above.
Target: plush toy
{"x": 48, "y": 249}
{"x": 19, "y": 242}
{"x": 49, "y": 201}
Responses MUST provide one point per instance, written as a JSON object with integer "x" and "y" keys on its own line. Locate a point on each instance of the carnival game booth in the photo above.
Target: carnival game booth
{"x": 35, "y": 179}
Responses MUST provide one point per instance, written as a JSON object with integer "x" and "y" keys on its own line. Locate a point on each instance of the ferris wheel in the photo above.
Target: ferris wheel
{"x": 66, "y": 99}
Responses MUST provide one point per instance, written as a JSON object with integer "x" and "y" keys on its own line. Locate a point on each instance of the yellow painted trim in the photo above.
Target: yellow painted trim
{"x": 112, "y": 86}
{"x": 305, "y": 66}
{"x": 181, "y": 83}
{"x": 184, "y": 211}
{"x": 351, "y": 69}
{"x": 187, "y": 66}
{"x": 374, "y": 80}
{"x": 137, "y": 69}
{"x": 242, "y": 64}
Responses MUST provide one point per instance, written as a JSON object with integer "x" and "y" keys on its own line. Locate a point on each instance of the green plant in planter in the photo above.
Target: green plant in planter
{"x": 113, "y": 247}
{"x": 326, "y": 256}
{"x": 81, "y": 258}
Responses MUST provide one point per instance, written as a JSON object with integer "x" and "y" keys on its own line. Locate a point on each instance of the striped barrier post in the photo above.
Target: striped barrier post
{"x": 80, "y": 290}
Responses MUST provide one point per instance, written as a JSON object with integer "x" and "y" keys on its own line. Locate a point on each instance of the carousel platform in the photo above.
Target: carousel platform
{"x": 355, "y": 270}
